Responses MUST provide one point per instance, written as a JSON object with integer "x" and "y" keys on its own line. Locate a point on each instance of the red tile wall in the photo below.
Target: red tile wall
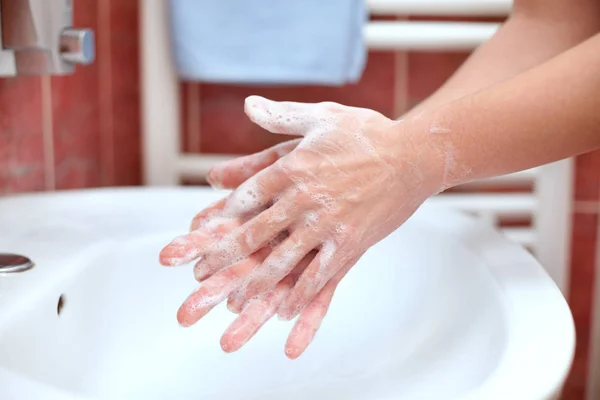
{"x": 22, "y": 161}
{"x": 584, "y": 253}
{"x": 80, "y": 130}
{"x": 83, "y": 130}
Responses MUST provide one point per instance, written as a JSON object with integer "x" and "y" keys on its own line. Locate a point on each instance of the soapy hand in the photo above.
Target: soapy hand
{"x": 255, "y": 312}
{"x": 353, "y": 178}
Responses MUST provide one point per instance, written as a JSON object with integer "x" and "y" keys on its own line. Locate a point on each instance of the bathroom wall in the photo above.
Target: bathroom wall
{"x": 83, "y": 131}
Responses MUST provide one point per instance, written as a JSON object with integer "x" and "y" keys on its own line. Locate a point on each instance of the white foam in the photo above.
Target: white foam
{"x": 326, "y": 253}
{"x": 434, "y": 129}
{"x": 311, "y": 219}
{"x": 245, "y": 199}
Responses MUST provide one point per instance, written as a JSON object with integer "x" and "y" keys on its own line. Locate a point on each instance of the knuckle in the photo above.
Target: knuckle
{"x": 343, "y": 235}
{"x": 289, "y": 165}
{"x": 294, "y": 243}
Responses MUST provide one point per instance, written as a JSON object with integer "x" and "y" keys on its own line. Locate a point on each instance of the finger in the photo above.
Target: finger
{"x": 282, "y": 117}
{"x": 280, "y": 263}
{"x": 206, "y": 227}
{"x": 258, "y": 311}
{"x": 209, "y": 213}
{"x": 237, "y": 300}
{"x": 259, "y": 256}
{"x": 250, "y": 237}
{"x": 325, "y": 265}
{"x": 216, "y": 289}
{"x": 256, "y": 193}
{"x": 231, "y": 174}
{"x": 312, "y": 316}
{"x": 253, "y": 317}
{"x": 186, "y": 248}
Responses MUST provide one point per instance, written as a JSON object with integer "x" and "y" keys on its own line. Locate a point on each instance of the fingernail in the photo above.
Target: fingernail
{"x": 214, "y": 180}
{"x": 200, "y": 276}
{"x": 233, "y": 308}
{"x": 225, "y": 347}
{"x": 284, "y": 316}
{"x": 201, "y": 271}
{"x": 289, "y": 352}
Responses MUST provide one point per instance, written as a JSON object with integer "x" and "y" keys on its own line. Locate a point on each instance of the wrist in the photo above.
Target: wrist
{"x": 431, "y": 150}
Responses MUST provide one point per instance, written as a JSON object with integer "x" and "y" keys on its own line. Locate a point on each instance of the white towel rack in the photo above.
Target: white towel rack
{"x": 483, "y": 8}
{"x": 548, "y": 205}
{"x": 427, "y": 36}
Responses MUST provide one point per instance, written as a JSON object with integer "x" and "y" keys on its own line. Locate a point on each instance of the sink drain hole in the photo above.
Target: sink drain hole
{"x": 60, "y": 305}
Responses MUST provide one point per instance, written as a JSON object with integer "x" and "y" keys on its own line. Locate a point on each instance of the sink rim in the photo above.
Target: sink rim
{"x": 553, "y": 331}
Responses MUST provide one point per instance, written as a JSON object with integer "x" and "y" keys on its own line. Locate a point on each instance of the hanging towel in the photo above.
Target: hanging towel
{"x": 269, "y": 41}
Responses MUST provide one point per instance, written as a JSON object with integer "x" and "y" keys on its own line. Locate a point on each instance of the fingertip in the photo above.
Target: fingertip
{"x": 210, "y": 176}
{"x": 234, "y": 306}
{"x": 182, "y": 250}
{"x": 168, "y": 260}
{"x": 256, "y": 108}
{"x": 201, "y": 276}
{"x": 165, "y": 260}
{"x": 284, "y": 316}
{"x": 202, "y": 271}
{"x": 226, "y": 345}
{"x": 254, "y": 101}
{"x": 214, "y": 178}
{"x": 235, "y": 336}
{"x": 287, "y": 311}
{"x": 183, "y": 317}
{"x": 292, "y": 353}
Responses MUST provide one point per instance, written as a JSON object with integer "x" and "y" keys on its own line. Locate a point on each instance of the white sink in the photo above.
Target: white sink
{"x": 444, "y": 308}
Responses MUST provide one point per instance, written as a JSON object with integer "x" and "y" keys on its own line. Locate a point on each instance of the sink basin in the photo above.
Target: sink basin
{"x": 444, "y": 308}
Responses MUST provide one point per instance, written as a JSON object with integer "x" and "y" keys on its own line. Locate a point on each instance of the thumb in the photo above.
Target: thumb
{"x": 288, "y": 118}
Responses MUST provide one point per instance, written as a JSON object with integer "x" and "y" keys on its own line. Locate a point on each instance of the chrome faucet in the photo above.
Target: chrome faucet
{"x": 37, "y": 38}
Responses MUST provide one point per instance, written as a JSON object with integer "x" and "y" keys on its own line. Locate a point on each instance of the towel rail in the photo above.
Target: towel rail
{"x": 427, "y": 36}
{"x": 485, "y": 8}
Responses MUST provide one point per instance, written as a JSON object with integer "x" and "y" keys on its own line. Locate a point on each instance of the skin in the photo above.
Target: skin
{"x": 525, "y": 98}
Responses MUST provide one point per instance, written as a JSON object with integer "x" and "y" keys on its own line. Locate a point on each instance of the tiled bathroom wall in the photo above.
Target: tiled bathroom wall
{"x": 83, "y": 131}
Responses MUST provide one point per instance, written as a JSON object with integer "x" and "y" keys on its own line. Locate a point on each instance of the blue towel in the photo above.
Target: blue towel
{"x": 269, "y": 41}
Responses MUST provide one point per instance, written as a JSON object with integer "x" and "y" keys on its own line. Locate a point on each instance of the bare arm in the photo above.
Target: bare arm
{"x": 356, "y": 176}
{"x": 547, "y": 113}
{"x": 536, "y": 31}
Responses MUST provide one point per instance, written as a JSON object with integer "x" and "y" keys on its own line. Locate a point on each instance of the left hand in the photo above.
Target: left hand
{"x": 353, "y": 179}
{"x": 254, "y": 313}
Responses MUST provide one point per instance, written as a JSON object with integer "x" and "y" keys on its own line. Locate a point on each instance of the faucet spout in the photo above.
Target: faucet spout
{"x": 37, "y": 38}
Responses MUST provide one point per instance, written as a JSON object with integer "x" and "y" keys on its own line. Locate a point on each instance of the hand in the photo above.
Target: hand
{"x": 254, "y": 313}
{"x": 354, "y": 178}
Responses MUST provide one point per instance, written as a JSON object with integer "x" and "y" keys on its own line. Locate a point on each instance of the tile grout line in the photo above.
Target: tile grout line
{"x": 190, "y": 132}
{"x": 586, "y": 207}
{"x": 592, "y": 390}
{"x": 194, "y": 119}
{"x": 401, "y": 77}
{"x": 107, "y": 142}
{"x": 400, "y": 84}
{"x": 48, "y": 133}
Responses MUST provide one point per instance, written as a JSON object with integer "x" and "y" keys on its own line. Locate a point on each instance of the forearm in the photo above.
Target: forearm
{"x": 529, "y": 38}
{"x": 545, "y": 114}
